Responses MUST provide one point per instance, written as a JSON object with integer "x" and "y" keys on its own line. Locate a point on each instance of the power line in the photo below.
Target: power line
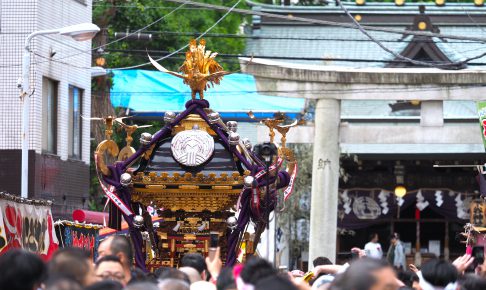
{"x": 141, "y": 29}
{"x": 150, "y": 7}
{"x": 185, "y": 46}
{"x": 444, "y": 65}
{"x": 243, "y": 36}
{"x": 130, "y": 52}
{"x": 104, "y": 45}
{"x": 330, "y": 23}
{"x": 292, "y": 18}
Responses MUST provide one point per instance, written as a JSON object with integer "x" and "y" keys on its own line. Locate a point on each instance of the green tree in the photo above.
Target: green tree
{"x": 169, "y": 34}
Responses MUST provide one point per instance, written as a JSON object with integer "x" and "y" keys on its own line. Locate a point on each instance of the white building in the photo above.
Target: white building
{"x": 59, "y": 140}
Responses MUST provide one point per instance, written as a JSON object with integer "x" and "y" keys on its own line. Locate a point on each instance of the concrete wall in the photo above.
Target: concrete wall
{"x": 59, "y": 58}
{"x": 70, "y": 66}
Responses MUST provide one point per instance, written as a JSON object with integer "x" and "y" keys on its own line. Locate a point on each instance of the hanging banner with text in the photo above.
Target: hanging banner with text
{"x": 84, "y": 236}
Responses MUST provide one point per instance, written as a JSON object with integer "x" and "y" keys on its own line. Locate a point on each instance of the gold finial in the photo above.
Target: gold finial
{"x": 108, "y": 120}
{"x": 128, "y": 150}
{"x": 106, "y": 145}
{"x": 108, "y": 126}
{"x": 283, "y": 130}
{"x": 270, "y": 123}
{"x": 198, "y": 69}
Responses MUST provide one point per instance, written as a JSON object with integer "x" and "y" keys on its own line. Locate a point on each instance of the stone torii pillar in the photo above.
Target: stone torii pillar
{"x": 325, "y": 180}
{"x": 330, "y": 85}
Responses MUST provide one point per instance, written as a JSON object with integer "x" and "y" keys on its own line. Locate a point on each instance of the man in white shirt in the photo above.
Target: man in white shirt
{"x": 373, "y": 248}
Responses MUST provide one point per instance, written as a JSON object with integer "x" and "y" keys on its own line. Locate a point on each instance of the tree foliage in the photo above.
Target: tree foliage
{"x": 170, "y": 34}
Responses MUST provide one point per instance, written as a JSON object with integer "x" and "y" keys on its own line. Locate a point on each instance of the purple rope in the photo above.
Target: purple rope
{"x": 162, "y": 133}
{"x": 234, "y": 237}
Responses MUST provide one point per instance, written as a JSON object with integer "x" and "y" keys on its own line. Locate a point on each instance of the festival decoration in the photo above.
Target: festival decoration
{"x": 198, "y": 69}
{"x": 197, "y": 172}
{"x": 438, "y": 198}
{"x": 421, "y": 202}
{"x": 478, "y": 213}
{"x": 372, "y": 206}
{"x": 78, "y": 235}
{"x": 27, "y": 224}
{"x": 383, "y": 201}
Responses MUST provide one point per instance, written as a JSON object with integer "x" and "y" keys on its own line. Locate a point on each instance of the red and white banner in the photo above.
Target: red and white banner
{"x": 27, "y": 226}
{"x": 290, "y": 187}
{"x": 271, "y": 168}
{"x": 110, "y": 193}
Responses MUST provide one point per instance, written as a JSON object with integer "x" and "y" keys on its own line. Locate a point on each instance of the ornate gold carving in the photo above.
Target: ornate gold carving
{"x": 156, "y": 186}
{"x": 128, "y": 150}
{"x": 189, "y": 122}
{"x": 189, "y": 237}
{"x": 164, "y": 178}
{"x": 189, "y": 201}
{"x": 191, "y": 187}
{"x": 193, "y": 220}
{"x": 103, "y": 147}
{"x": 283, "y": 130}
{"x": 270, "y": 123}
{"x": 107, "y": 144}
{"x": 221, "y": 187}
{"x": 198, "y": 69}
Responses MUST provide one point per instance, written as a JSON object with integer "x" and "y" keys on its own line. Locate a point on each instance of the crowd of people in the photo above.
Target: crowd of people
{"x": 73, "y": 269}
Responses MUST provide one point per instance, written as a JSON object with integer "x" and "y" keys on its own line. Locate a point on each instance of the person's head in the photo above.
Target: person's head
{"x": 105, "y": 285}
{"x": 473, "y": 282}
{"x": 110, "y": 268}
{"x": 366, "y": 274}
{"x": 202, "y": 285}
{"x": 74, "y": 263}
{"x": 195, "y": 261}
{"x": 173, "y": 284}
{"x": 408, "y": 278}
{"x": 21, "y": 270}
{"x": 226, "y": 280}
{"x": 374, "y": 238}
{"x": 164, "y": 273}
{"x": 439, "y": 273}
{"x": 192, "y": 273}
{"x": 275, "y": 282}
{"x": 142, "y": 286}
{"x": 321, "y": 261}
{"x": 394, "y": 238}
{"x": 57, "y": 282}
{"x": 256, "y": 269}
{"x": 119, "y": 246}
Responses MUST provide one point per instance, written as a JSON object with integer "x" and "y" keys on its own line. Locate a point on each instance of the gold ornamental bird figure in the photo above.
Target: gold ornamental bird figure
{"x": 199, "y": 70}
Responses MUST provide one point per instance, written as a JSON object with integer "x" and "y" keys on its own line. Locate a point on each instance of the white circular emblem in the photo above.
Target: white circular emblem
{"x": 365, "y": 208}
{"x": 192, "y": 147}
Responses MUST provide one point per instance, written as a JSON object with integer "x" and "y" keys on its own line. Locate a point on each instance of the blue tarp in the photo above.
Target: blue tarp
{"x": 150, "y": 93}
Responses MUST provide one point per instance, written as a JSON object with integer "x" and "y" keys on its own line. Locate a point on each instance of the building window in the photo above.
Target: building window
{"x": 81, "y": 1}
{"x": 75, "y": 107}
{"x": 49, "y": 115}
